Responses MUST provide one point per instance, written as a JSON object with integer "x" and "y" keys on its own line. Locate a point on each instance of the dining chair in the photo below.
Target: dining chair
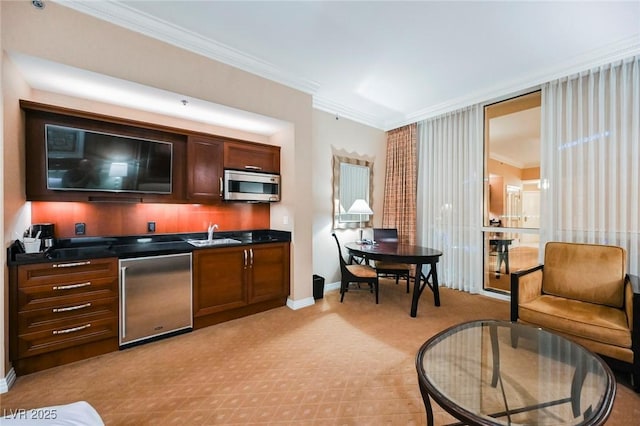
{"x": 397, "y": 270}
{"x": 355, "y": 274}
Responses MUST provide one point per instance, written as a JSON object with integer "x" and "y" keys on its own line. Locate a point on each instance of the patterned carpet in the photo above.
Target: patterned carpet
{"x": 329, "y": 364}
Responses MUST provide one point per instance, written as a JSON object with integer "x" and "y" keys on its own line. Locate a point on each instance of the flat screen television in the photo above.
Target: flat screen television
{"x": 86, "y": 160}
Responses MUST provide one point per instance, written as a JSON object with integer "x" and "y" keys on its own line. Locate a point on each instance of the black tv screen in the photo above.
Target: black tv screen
{"x": 85, "y": 160}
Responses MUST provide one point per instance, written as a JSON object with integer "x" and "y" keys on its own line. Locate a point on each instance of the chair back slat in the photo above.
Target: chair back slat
{"x": 385, "y": 235}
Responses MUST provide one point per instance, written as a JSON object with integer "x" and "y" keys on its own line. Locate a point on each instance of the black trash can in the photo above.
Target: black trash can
{"x": 318, "y": 287}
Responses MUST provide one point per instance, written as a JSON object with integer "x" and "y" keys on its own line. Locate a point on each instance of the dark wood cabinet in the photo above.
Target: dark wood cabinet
{"x": 62, "y": 312}
{"x": 197, "y": 160}
{"x": 232, "y": 282}
{"x": 40, "y": 185}
{"x": 219, "y": 280}
{"x": 251, "y": 156}
{"x": 204, "y": 169}
{"x": 269, "y": 279}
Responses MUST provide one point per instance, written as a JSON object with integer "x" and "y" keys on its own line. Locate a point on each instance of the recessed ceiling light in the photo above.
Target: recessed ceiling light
{"x": 38, "y": 4}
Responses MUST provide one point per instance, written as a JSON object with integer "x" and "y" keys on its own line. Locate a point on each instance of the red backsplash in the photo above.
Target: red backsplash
{"x": 113, "y": 219}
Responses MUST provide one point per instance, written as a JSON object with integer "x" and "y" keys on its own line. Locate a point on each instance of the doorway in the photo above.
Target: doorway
{"x": 512, "y": 188}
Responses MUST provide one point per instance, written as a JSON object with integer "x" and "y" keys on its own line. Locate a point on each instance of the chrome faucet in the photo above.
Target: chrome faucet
{"x": 212, "y": 227}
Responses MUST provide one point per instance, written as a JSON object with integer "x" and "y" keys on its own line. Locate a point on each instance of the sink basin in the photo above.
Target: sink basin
{"x": 214, "y": 242}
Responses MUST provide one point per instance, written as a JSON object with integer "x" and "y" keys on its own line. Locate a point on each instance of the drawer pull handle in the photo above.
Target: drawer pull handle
{"x": 72, "y": 308}
{"x": 71, "y": 286}
{"x": 250, "y": 167}
{"x": 72, "y": 264}
{"x": 72, "y": 329}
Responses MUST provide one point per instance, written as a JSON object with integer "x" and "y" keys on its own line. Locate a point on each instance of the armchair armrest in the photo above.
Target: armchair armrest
{"x": 632, "y": 304}
{"x": 531, "y": 283}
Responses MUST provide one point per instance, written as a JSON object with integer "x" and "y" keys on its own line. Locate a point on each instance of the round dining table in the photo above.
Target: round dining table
{"x": 405, "y": 253}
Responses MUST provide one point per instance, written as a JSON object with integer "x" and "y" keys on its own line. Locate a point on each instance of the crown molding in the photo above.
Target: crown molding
{"x": 126, "y": 17}
{"x": 509, "y": 161}
{"x": 613, "y": 52}
{"x": 343, "y": 111}
{"x": 131, "y": 19}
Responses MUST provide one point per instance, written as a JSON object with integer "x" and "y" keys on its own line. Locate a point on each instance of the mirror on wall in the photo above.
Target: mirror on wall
{"x": 352, "y": 180}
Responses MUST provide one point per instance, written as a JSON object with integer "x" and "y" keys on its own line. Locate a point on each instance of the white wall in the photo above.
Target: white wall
{"x": 359, "y": 141}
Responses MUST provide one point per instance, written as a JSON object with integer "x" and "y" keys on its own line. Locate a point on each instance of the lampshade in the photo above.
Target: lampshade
{"x": 360, "y": 206}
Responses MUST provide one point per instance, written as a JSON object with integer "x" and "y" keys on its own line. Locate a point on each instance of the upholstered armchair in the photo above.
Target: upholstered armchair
{"x": 582, "y": 291}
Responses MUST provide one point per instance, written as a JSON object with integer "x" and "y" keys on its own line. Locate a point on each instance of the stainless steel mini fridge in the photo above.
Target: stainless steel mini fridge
{"x": 155, "y": 297}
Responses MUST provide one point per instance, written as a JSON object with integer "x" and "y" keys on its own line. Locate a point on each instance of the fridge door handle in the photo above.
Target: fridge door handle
{"x": 123, "y": 299}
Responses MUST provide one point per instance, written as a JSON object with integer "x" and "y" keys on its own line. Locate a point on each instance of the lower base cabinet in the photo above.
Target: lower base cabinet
{"x": 62, "y": 312}
{"x": 67, "y": 311}
{"x": 233, "y": 282}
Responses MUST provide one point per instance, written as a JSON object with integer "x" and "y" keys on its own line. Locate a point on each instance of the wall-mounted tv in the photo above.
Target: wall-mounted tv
{"x": 86, "y": 160}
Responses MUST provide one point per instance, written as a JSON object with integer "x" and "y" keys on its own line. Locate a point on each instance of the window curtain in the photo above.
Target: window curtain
{"x": 590, "y": 169}
{"x": 450, "y": 173}
{"x": 399, "y": 208}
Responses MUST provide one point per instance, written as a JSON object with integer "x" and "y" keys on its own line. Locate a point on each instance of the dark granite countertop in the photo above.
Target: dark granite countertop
{"x": 71, "y": 249}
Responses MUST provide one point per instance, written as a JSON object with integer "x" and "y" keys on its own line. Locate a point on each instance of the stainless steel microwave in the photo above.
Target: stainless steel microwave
{"x": 251, "y": 186}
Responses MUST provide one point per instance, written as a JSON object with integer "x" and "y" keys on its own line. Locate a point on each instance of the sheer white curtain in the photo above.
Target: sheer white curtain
{"x": 590, "y": 168}
{"x": 450, "y": 173}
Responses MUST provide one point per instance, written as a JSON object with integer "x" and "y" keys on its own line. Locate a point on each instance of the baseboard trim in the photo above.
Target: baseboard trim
{"x": 303, "y": 303}
{"x": 299, "y": 304}
{"x": 332, "y": 286}
{"x": 7, "y": 382}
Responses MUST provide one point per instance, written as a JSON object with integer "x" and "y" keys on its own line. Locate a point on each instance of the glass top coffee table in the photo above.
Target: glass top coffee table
{"x": 502, "y": 373}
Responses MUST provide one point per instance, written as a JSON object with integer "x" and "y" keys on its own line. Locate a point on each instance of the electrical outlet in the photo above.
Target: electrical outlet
{"x": 151, "y": 227}
{"x": 80, "y": 228}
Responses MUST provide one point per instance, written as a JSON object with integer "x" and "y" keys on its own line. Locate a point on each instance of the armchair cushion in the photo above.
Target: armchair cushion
{"x": 583, "y": 319}
{"x": 588, "y": 272}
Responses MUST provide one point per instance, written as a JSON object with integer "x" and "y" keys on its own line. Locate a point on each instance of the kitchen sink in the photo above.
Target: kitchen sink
{"x": 214, "y": 242}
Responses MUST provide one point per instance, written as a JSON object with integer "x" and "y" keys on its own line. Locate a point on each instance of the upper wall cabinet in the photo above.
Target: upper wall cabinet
{"x": 204, "y": 169}
{"x": 80, "y": 156}
{"x": 84, "y": 157}
{"x": 251, "y": 156}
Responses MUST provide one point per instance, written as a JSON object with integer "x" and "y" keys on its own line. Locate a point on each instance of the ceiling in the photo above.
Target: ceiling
{"x": 389, "y": 63}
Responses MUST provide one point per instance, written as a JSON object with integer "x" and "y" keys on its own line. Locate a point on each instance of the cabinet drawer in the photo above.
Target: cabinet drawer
{"x": 75, "y": 333}
{"x": 66, "y": 315}
{"x": 68, "y": 293}
{"x": 66, "y": 272}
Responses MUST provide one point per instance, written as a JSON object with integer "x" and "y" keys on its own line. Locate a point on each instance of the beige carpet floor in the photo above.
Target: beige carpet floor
{"x": 328, "y": 364}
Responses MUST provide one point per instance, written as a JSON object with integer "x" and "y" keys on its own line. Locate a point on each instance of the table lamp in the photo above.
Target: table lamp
{"x": 360, "y": 207}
